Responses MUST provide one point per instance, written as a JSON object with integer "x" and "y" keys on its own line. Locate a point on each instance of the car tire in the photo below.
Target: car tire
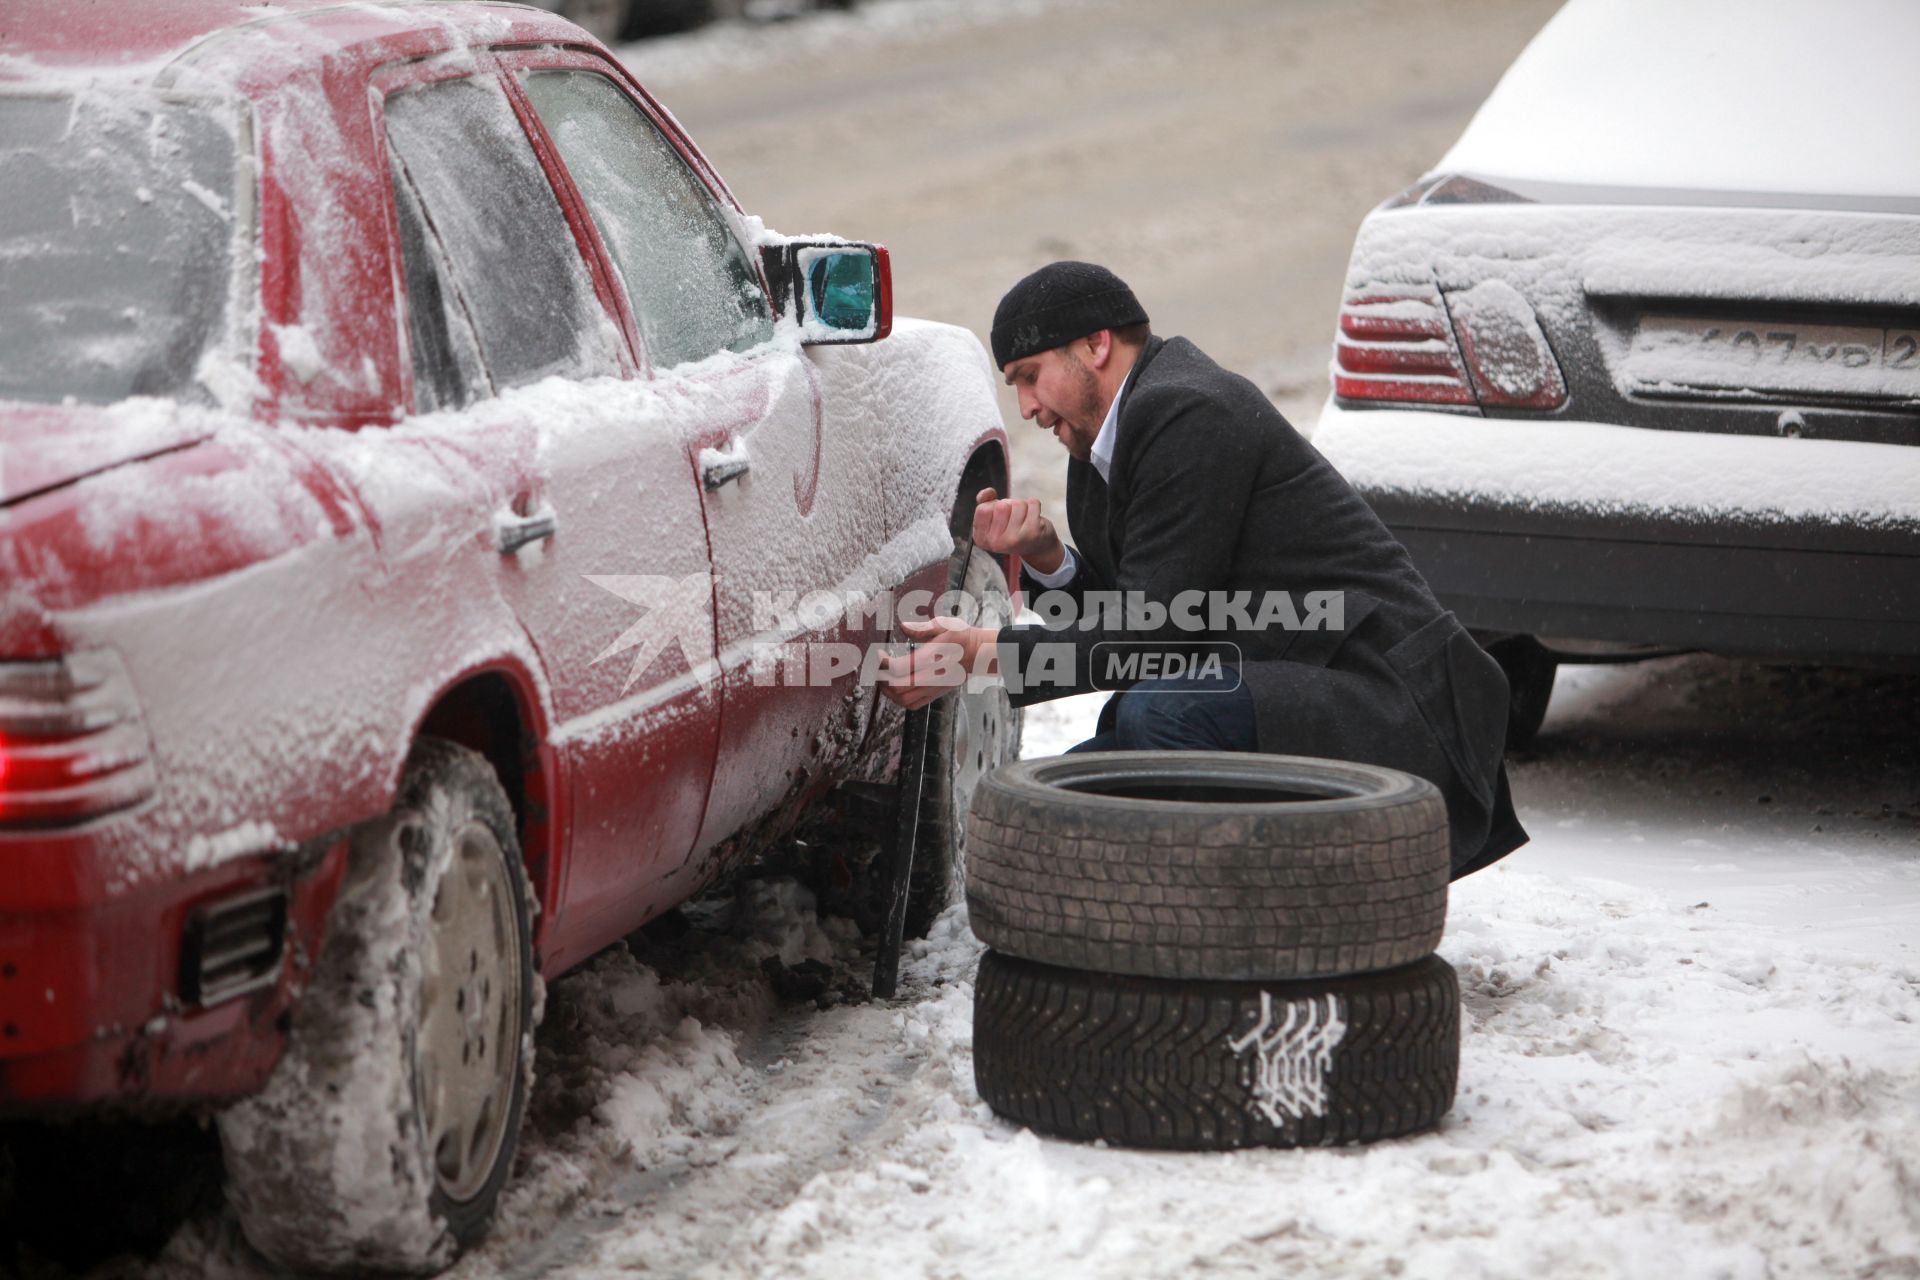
{"x": 1210, "y": 1066}
{"x": 1208, "y": 865}
{"x": 385, "y": 1134}
{"x": 1530, "y": 668}
{"x": 969, "y": 734}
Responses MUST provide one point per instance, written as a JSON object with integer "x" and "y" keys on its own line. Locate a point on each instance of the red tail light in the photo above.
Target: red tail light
{"x": 1481, "y": 347}
{"x": 1395, "y": 345}
{"x": 72, "y": 745}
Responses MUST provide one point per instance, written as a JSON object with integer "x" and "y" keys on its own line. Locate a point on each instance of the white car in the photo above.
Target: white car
{"x": 1637, "y": 365}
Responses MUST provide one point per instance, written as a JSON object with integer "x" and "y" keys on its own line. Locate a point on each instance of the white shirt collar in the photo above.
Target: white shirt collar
{"x": 1103, "y": 443}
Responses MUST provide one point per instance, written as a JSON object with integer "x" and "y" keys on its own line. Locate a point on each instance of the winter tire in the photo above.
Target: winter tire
{"x": 1200, "y": 864}
{"x": 969, "y": 734}
{"x": 1208, "y": 1066}
{"x": 386, "y": 1133}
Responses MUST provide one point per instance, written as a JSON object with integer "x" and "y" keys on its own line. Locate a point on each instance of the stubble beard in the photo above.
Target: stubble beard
{"x": 1083, "y": 424}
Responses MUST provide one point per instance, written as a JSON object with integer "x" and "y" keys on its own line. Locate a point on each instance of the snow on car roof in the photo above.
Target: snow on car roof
{"x": 46, "y": 36}
{"x": 1750, "y": 96}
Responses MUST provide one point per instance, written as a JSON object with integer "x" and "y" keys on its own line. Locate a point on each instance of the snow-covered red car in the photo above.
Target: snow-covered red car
{"x": 1635, "y": 365}
{"x": 409, "y": 457}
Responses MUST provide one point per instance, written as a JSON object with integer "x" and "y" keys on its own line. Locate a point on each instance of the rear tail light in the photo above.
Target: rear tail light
{"x": 1395, "y": 345}
{"x": 1512, "y": 365}
{"x": 72, "y": 745}
{"x": 1482, "y": 347}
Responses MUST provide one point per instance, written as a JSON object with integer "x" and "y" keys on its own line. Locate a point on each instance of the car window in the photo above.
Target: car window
{"x": 693, "y": 289}
{"x": 447, "y": 368}
{"x": 117, "y": 218}
{"x": 514, "y": 266}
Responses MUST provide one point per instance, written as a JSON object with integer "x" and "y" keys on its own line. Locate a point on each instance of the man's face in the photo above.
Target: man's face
{"x": 1058, "y": 391}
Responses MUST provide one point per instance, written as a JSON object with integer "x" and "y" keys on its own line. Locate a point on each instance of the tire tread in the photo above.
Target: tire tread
{"x": 1245, "y": 896}
{"x": 1143, "y": 1062}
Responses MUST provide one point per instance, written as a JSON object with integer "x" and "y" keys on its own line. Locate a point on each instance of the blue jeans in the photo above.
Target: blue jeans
{"x": 1192, "y": 713}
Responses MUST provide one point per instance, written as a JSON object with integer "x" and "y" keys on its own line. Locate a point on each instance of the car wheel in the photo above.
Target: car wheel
{"x": 1530, "y": 668}
{"x": 386, "y": 1132}
{"x": 1197, "y": 1066}
{"x": 1207, "y": 864}
{"x": 969, "y": 734}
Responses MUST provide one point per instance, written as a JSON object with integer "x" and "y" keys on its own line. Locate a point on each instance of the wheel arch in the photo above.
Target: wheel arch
{"x": 986, "y": 465}
{"x": 495, "y": 710}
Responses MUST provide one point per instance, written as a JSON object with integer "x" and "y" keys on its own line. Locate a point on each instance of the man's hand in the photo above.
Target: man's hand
{"x": 1014, "y": 526}
{"x": 949, "y": 652}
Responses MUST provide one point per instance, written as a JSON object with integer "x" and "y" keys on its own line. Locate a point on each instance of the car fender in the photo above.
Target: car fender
{"x": 917, "y": 406}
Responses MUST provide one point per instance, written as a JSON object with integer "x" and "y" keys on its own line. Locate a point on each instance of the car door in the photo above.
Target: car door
{"x": 598, "y": 529}
{"x": 751, "y": 411}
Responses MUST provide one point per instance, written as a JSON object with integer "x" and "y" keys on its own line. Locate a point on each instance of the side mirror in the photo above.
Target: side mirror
{"x": 837, "y": 292}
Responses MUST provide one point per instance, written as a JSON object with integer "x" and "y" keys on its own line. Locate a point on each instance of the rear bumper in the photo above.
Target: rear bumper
{"x": 93, "y": 1015}
{"x": 1747, "y": 545}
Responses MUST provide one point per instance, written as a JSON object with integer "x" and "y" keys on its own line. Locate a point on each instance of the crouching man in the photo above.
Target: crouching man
{"x": 1224, "y": 578}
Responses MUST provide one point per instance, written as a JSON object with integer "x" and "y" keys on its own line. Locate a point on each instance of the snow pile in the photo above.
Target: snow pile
{"x": 627, "y": 1053}
{"x": 636, "y": 1069}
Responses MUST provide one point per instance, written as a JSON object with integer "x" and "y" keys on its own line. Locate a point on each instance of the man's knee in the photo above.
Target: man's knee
{"x": 1149, "y": 720}
{"x": 1177, "y": 715}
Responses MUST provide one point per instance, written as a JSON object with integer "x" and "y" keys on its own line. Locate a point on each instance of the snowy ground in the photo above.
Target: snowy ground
{"x": 1690, "y": 1049}
{"x": 1690, "y": 1044}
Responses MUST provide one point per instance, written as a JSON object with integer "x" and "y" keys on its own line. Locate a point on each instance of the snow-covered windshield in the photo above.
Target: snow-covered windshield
{"x": 116, "y": 231}
{"x": 1764, "y": 96}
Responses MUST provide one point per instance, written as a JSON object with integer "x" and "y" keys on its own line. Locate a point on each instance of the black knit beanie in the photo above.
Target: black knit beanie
{"x": 1058, "y": 303}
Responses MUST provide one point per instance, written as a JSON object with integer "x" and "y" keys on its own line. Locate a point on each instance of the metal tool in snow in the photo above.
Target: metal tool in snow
{"x": 906, "y": 828}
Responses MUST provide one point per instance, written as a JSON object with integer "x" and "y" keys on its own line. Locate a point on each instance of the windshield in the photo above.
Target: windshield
{"x": 116, "y": 233}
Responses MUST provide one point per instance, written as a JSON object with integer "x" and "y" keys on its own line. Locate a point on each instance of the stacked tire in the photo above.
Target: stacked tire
{"x": 1203, "y": 951}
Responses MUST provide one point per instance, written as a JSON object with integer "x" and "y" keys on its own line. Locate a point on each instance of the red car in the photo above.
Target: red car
{"x": 409, "y": 457}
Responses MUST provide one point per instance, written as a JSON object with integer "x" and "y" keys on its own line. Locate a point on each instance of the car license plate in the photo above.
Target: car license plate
{"x": 1680, "y": 353}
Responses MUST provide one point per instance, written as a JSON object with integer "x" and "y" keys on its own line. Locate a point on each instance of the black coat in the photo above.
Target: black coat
{"x": 1212, "y": 490}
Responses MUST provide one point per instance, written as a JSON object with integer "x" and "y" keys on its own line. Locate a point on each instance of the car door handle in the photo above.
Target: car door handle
{"x": 715, "y": 472}
{"x": 512, "y": 531}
